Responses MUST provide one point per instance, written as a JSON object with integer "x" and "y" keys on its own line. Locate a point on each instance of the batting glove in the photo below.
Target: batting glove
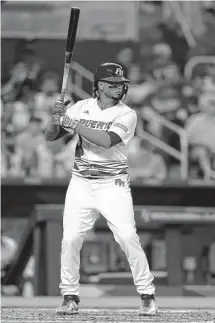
{"x": 60, "y": 107}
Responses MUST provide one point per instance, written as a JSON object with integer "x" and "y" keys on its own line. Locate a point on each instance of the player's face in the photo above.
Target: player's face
{"x": 113, "y": 90}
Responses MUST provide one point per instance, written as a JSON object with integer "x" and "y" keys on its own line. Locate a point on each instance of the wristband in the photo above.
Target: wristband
{"x": 61, "y": 121}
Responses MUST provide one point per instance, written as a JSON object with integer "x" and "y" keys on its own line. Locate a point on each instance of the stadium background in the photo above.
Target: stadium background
{"x": 168, "y": 52}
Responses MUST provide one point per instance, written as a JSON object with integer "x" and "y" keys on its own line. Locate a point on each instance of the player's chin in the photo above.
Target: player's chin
{"x": 117, "y": 96}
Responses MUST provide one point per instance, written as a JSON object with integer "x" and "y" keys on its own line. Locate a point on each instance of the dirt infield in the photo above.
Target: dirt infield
{"x": 104, "y": 310}
{"x": 103, "y": 315}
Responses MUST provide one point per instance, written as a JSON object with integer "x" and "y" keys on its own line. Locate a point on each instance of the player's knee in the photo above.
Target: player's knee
{"x": 127, "y": 234}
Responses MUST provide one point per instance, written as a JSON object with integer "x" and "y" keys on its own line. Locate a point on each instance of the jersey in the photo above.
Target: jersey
{"x": 92, "y": 161}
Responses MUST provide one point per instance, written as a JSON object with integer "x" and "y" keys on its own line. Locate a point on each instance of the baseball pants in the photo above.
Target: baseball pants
{"x": 85, "y": 199}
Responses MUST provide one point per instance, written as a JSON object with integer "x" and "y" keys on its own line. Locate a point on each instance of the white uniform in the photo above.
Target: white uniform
{"x": 100, "y": 185}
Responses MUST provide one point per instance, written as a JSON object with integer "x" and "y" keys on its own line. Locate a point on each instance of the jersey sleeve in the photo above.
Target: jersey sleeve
{"x": 124, "y": 126}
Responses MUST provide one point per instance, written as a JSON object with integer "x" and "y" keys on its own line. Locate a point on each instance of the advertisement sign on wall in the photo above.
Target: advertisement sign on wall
{"x": 171, "y": 215}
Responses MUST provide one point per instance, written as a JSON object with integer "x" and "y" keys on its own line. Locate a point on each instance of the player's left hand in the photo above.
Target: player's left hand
{"x": 56, "y": 119}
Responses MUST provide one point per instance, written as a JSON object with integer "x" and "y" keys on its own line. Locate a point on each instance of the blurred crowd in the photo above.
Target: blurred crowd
{"x": 176, "y": 128}
{"x": 26, "y": 106}
{"x": 176, "y": 121}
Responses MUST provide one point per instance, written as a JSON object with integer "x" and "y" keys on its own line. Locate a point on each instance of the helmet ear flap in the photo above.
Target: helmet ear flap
{"x": 125, "y": 88}
{"x": 125, "y": 91}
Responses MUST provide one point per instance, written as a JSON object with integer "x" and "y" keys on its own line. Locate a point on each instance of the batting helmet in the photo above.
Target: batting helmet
{"x": 110, "y": 72}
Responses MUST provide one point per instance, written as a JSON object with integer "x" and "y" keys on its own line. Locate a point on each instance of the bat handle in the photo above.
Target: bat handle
{"x": 65, "y": 79}
{"x": 62, "y": 95}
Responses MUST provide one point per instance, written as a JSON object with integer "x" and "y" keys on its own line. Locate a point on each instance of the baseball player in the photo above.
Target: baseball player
{"x": 102, "y": 128}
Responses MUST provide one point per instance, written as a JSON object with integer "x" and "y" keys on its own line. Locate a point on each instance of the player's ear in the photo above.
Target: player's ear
{"x": 100, "y": 85}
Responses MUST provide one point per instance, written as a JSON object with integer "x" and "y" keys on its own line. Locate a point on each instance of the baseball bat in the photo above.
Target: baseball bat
{"x": 70, "y": 44}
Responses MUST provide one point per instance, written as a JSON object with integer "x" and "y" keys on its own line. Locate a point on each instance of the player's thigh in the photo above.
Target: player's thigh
{"x": 78, "y": 215}
{"x": 116, "y": 204}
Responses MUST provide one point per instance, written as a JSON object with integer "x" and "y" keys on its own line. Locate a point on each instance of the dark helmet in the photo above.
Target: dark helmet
{"x": 110, "y": 72}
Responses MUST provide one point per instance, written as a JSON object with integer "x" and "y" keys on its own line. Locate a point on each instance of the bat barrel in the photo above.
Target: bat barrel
{"x": 73, "y": 25}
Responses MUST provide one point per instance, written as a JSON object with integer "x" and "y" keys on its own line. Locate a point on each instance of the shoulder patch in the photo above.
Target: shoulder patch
{"x": 121, "y": 126}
